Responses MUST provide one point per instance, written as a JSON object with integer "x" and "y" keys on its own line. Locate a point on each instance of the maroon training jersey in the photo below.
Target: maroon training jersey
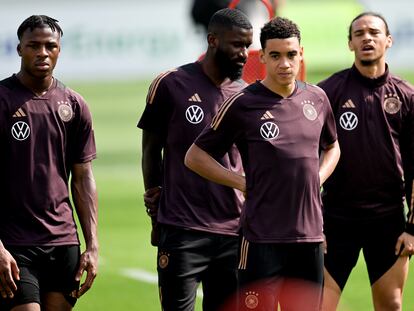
{"x": 375, "y": 121}
{"x": 41, "y": 137}
{"x": 279, "y": 141}
{"x": 180, "y": 103}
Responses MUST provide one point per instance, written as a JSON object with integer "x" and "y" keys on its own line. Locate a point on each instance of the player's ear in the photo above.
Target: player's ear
{"x": 19, "y": 49}
{"x": 212, "y": 40}
{"x": 350, "y": 46}
{"x": 262, "y": 56}
{"x": 389, "y": 41}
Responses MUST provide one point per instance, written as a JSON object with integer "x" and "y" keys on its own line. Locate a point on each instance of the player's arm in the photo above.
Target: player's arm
{"x": 405, "y": 242}
{"x": 152, "y": 146}
{"x": 328, "y": 161}
{"x": 206, "y": 166}
{"x": 9, "y": 272}
{"x": 86, "y": 203}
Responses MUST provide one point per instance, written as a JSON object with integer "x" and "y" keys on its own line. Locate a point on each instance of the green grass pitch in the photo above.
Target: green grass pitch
{"x": 125, "y": 251}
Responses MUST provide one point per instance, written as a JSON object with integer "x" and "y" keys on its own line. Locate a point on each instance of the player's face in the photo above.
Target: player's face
{"x": 369, "y": 40}
{"x": 39, "y": 50}
{"x": 231, "y": 52}
{"x": 282, "y": 59}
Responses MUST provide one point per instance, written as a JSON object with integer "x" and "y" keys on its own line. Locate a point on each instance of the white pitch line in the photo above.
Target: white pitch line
{"x": 147, "y": 277}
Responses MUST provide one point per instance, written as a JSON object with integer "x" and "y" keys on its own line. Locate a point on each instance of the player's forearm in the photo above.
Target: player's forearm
{"x": 151, "y": 159}
{"x": 206, "y": 166}
{"x": 409, "y": 227}
{"x": 329, "y": 160}
{"x": 86, "y": 203}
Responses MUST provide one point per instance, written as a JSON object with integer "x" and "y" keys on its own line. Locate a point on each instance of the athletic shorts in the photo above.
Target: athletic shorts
{"x": 376, "y": 238}
{"x": 42, "y": 270}
{"x": 187, "y": 258}
{"x": 290, "y": 275}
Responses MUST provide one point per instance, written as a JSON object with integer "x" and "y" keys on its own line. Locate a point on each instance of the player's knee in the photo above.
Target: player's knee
{"x": 389, "y": 304}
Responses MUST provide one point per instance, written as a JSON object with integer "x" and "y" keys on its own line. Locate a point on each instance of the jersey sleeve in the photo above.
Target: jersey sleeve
{"x": 328, "y": 134}
{"x": 83, "y": 145}
{"x": 218, "y": 138}
{"x": 158, "y": 109}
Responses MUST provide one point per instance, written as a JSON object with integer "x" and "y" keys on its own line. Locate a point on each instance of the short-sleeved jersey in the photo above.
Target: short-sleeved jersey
{"x": 180, "y": 103}
{"x": 279, "y": 140}
{"x": 41, "y": 137}
{"x": 375, "y": 121}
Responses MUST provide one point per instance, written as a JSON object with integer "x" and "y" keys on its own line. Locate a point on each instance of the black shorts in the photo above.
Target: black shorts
{"x": 188, "y": 257}
{"x": 376, "y": 238}
{"x": 288, "y": 274}
{"x": 42, "y": 270}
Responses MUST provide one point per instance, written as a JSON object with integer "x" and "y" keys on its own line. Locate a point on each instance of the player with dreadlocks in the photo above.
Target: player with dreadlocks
{"x": 46, "y": 136}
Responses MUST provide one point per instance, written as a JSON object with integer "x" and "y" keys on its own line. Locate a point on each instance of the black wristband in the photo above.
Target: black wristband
{"x": 409, "y": 228}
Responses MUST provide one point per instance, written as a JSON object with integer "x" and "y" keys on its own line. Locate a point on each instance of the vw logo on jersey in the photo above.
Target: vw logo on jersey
{"x": 269, "y": 130}
{"x": 348, "y": 121}
{"x": 194, "y": 114}
{"x": 20, "y": 130}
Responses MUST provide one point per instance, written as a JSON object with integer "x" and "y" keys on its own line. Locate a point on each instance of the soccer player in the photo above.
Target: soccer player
{"x": 363, "y": 199}
{"x": 46, "y": 137}
{"x": 279, "y": 125}
{"x": 198, "y": 219}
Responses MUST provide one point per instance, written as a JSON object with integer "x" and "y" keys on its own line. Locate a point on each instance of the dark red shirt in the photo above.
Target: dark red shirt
{"x": 180, "y": 103}
{"x": 375, "y": 121}
{"x": 41, "y": 137}
{"x": 279, "y": 141}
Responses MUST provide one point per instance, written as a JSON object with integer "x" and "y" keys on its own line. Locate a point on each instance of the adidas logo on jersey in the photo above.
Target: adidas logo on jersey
{"x": 348, "y": 104}
{"x": 195, "y": 98}
{"x": 19, "y": 113}
{"x": 267, "y": 115}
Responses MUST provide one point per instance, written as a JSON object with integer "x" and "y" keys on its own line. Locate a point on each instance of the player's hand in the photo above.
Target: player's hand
{"x": 9, "y": 271}
{"x": 151, "y": 200}
{"x": 405, "y": 245}
{"x": 89, "y": 264}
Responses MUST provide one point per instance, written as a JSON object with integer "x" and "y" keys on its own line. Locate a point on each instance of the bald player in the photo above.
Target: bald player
{"x": 195, "y": 221}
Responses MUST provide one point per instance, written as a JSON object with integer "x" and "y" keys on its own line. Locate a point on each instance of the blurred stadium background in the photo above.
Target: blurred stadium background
{"x": 111, "y": 51}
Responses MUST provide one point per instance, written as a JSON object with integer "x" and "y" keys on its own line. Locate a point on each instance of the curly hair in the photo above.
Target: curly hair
{"x": 38, "y": 21}
{"x": 278, "y": 28}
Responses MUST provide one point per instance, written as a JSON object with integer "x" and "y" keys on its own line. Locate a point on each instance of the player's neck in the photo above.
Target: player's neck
{"x": 212, "y": 71}
{"x": 282, "y": 90}
{"x": 371, "y": 71}
{"x": 39, "y": 86}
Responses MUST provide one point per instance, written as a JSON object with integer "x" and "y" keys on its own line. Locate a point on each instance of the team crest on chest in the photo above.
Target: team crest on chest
{"x": 392, "y": 103}
{"x": 65, "y": 111}
{"x": 309, "y": 110}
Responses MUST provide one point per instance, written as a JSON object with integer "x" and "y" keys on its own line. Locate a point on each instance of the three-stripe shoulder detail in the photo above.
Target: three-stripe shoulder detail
{"x": 154, "y": 85}
{"x": 223, "y": 109}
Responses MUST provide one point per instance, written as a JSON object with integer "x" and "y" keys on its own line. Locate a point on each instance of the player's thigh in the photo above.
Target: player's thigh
{"x": 27, "y": 296}
{"x": 54, "y": 301}
{"x": 387, "y": 290}
{"x": 343, "y": 242}
{"x": 379, "y": 248}
{"x": 220, "y": 279}
{"x": 181, "y": 260}
{"x": 27, "y": 307}
{"x": 58, "y": 276}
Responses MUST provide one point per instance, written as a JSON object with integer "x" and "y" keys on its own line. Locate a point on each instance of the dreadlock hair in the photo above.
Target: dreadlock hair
{"x": 38, "y": 21}
{"x": 387, "y": 30}
{"x": 278, "y": 28}
{"x": 226, "y": 19}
